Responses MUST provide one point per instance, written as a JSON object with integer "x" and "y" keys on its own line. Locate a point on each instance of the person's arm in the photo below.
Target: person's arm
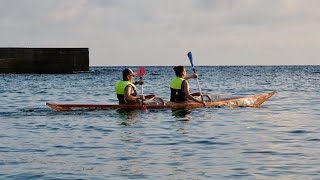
{"x": 194, "y": 75}
{"x": 140, "y": 82}
{"x": 128, "y": 96}
{"x": 185, "y": 87}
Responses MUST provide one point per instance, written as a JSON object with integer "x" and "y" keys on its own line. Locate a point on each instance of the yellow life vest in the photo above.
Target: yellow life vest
{"x": 177, "y": 94}
{"x": 120, "y": 87}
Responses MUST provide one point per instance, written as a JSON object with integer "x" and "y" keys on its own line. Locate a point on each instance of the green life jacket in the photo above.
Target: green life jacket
{"x": 120, "y": 88}
{"x": 177, "y": 95}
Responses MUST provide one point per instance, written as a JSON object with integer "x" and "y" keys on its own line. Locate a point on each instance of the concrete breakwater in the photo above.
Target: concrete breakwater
{"x": 44, "y": 60}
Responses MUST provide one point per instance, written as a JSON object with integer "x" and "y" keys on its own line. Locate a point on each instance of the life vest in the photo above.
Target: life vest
{"x": 120, "y": 88}
{"x": 177, "y": 95}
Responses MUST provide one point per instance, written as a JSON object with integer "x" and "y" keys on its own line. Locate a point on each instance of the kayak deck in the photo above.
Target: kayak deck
{"x": 158, "y": 103}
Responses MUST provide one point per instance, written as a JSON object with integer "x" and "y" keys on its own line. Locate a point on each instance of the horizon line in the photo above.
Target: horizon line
{"x": 200, "y": 65}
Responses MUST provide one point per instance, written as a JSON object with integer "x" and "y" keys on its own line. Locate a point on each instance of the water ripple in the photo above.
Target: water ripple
{"x": 277, "y": 141}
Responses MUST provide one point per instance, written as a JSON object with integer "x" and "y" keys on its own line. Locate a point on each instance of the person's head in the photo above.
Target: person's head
{"x": 127, "y": 74}
{"x": 180, "y": 71}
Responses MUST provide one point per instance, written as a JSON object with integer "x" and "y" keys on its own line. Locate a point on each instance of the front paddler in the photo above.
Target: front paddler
{"x": 126, "y": 90}
{"x": 180, "y": 87}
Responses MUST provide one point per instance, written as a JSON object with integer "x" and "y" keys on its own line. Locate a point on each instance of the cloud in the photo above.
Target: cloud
{"x": 68, "y": 10}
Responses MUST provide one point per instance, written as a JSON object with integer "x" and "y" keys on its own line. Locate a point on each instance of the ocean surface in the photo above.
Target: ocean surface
{"x": 280, "y": 140}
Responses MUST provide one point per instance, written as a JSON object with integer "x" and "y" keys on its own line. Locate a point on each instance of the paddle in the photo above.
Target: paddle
{"x": 194, "y": 70}
{"x": 141, "y": 72}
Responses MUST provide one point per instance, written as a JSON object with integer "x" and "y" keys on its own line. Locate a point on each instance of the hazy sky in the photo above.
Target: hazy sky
{"x": 161, "y": 32}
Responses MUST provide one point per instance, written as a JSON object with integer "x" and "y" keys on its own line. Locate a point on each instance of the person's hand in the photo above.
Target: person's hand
{"x": 204, "y": 104}
{"x": 140, "y": 82}
{"x": 141, "y": 97}
{"x": 194, "y": 75}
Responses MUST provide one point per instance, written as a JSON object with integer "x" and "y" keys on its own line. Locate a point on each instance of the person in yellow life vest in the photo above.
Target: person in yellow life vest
{"x": 126, "y": 90}
{"x": 180, "y": 87}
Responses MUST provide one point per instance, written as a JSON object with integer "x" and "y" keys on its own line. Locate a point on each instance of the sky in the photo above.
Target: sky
{"x": 162, "y": 32}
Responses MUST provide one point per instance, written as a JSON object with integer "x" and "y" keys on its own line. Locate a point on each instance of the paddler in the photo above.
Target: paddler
{"x": 180, "y": 87}
{"x": 126, "y": 90}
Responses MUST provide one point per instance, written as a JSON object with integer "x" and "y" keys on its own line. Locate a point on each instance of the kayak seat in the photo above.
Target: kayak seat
{"x": 159, "y": 100}
{"x": 209, "y": 98}
{"x": 149, "y": 97}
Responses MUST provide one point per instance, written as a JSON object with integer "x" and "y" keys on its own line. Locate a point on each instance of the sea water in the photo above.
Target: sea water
{"x": 280, "y": 140}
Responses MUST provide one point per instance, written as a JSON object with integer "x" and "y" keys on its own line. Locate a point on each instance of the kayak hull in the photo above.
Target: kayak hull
{"x": 158, "y": 103}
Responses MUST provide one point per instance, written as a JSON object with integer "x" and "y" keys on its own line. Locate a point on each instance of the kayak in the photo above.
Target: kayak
{"x": 153, "y": 102}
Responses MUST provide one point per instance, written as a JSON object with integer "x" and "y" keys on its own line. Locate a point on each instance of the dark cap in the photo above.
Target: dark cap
{"x": 127, "y": 72}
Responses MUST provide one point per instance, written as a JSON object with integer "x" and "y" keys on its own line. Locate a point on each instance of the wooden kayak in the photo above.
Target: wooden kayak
{"x": 158, "y": 103}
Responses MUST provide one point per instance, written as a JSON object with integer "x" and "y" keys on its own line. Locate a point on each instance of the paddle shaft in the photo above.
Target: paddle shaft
{"x": 194, "y": 70}
{"x": 141, "y": 72}
{"x": 142, "y": 101}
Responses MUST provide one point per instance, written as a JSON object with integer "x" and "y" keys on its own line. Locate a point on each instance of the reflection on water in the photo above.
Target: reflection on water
{"x": 128, "y": 115}
{"x": 129, "y": 157}
{"x": 182, "y": 114}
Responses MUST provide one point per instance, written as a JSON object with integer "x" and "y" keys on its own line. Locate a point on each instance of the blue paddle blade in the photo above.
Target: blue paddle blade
{"x": 190, "y": 58}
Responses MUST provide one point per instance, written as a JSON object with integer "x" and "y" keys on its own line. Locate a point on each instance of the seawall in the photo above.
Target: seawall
{"x": 44, "y": 60}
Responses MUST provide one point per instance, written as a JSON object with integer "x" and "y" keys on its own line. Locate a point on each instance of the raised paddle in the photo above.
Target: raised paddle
{"x": 141, "y": 72}
{"x": 194, "y": 70}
